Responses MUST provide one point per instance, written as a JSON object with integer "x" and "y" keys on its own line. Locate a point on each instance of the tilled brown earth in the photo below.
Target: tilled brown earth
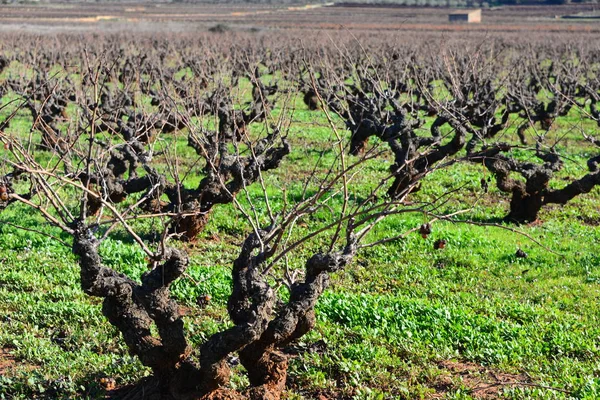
{"x": 177, "y": 17}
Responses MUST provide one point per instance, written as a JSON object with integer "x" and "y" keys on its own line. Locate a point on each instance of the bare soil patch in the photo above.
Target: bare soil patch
{"x": 146, "y": 17}
{"x": 7, "y": 361}
{"x": 483, "y": 382}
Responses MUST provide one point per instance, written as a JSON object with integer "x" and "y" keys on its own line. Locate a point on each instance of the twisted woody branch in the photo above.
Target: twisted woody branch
{"x": 530, "y": 195}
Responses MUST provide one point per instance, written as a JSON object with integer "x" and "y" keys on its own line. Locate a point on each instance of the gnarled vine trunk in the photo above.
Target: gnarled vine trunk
{"x": 259, "y": 333}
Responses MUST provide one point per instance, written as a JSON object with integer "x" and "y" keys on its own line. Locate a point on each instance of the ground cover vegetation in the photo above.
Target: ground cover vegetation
{"x": 230, "y": 216}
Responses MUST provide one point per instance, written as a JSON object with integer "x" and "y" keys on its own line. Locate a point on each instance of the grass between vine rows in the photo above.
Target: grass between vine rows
{"x": 405, "y": 321}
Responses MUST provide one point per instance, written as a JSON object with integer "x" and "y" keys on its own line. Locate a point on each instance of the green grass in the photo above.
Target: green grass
{"x": 387, "y": 322}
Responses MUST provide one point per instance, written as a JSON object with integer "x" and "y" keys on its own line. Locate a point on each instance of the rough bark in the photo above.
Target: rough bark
{"x": 266, "y": 364}
{"x": 411, "y": 163}
{"x": 250, "y": 307}
{"x": 133, "y": 307}
{"x": 226, "y": 175}
{"x": 530, "y": 196}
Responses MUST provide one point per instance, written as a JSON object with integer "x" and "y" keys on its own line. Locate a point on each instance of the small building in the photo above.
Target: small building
{"x": 468, "y": 16}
